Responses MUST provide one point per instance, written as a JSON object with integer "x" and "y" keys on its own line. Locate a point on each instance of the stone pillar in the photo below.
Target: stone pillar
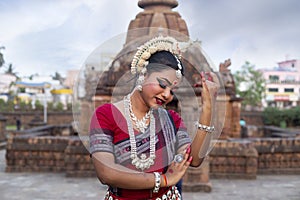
{"x": 197, "y": 179}
{"x": 235, "y": 118}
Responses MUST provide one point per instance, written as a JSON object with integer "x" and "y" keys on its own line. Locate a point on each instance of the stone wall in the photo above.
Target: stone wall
{"x": 252, "y": 118}
{"x": 233, "y": 159}
{"x": 53, "y": 118}
{"x": 58, "y": 149}
{"x": 248, "y": 157}
{"x": 278, "y": 155}
{"x": 77, "y": 160}
{"x": 40, "y": 149}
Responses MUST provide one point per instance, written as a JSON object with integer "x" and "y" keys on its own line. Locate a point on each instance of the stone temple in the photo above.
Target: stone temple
{"x": 158, "y": 18}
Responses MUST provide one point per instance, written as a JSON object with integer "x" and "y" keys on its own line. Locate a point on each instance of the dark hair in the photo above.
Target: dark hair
{"x": 164, "y": 58}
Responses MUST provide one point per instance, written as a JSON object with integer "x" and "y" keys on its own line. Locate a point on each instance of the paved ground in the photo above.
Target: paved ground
{"x": 51, "y": 186}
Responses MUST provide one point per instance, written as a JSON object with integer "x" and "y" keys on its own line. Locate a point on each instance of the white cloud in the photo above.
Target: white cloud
{"x": 48, "y": 36}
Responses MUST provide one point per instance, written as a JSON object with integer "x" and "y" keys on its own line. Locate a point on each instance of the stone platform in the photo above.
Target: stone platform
{"x": 56, "y": 186}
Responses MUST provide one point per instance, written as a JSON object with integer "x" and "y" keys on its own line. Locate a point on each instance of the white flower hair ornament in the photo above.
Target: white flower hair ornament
{"x": 144, "y": 52}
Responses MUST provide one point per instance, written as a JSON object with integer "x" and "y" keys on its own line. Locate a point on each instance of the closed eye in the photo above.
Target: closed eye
{"x": 162, "y": 83}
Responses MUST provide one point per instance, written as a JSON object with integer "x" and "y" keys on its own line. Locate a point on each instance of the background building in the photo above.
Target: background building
{"x": 283, "y": 85}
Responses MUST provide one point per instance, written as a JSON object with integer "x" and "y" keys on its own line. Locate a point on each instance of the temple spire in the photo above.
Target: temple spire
{"x": 154, "y": 3}
{"x": 157, "y": 13}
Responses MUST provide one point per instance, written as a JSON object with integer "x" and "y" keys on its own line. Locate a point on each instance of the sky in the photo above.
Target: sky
{"x": 47, "y": 36}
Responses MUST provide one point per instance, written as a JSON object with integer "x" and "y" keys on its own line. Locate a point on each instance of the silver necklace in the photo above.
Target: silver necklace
{"x": 143, "y": 162}
{"x": 139, "y": 124}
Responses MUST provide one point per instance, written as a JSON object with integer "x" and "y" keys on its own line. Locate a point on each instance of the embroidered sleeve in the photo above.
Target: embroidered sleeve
{"x": 101, "y": 134}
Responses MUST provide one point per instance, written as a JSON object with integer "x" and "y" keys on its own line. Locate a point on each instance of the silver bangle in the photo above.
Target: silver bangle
{"x": 208, "y": 129}
{"x": 157, "y": 182}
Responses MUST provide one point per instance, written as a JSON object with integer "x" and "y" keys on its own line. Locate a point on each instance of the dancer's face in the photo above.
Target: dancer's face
{"x": 159, "y": 87}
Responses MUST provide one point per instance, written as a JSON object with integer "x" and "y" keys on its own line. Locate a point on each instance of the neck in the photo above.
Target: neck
{"x": 138, "y": 104}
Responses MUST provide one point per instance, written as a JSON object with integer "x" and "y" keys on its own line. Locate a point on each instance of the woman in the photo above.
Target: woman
{"x": 139, "y": 149}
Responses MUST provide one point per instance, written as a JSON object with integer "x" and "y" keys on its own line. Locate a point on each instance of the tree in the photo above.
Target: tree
{"x": 10, "y": 70}
{"x": 1, "y": 57}
{"x": 58, "y": 77}
{"x": 250, "y": 85}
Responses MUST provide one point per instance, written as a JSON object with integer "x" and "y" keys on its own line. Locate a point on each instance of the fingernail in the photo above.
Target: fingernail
{"x": 190, "y": 159}
{"x": 188, "y": 150}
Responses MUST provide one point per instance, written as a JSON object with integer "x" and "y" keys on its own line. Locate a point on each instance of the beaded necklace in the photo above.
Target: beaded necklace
{"x": 140, "y": 124}
{"x": 143, "y": 162}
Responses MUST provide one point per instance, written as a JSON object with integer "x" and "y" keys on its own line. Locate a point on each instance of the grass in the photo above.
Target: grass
{"x": 11, "y": 127}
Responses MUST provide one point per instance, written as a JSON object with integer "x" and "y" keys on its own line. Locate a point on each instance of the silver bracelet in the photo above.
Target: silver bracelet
{"x": 157, "y": 182}
{"x": 208, "y": 129}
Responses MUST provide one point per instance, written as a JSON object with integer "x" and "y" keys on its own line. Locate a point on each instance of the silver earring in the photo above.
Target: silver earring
{"x": 139, "y": 82}
{"x": 139, "y": 88}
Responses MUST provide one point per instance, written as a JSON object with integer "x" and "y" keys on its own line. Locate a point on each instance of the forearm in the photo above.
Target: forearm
{"x": 119, "y": 176}
{"x": 202, "y": 138}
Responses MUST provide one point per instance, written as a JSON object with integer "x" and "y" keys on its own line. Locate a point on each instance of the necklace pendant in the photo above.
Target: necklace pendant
{"x": 141, "y": 129}
{"x": 143, "y": 157}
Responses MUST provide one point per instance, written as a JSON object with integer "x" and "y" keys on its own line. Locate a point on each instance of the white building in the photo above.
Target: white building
{"x": 283, "y": 85}
{"x": 38, "y": 89}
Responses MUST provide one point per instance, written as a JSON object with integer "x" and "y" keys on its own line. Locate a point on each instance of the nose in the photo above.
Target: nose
{"x": 167, "y": 94}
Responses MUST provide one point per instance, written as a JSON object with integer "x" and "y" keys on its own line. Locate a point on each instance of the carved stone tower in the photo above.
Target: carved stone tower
{"x": 156, "y": 18}
{"x": 159, "y": 14}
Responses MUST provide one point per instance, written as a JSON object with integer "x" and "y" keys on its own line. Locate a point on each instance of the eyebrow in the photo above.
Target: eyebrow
{"x": 166, "y": 80}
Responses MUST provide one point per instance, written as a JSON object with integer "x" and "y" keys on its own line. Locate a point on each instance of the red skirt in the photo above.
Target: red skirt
{"x": 171, "y": 194}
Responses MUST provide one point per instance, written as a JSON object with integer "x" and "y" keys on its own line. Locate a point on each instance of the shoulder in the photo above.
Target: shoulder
{"x": 103, "y": 111}
{"x": 176, "y": 119}
{"x": 104, "y": 115}
{"x": 175, "y": 115}
{"x": 106, "y": 108}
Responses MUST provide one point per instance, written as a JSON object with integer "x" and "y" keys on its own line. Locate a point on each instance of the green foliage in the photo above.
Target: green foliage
{"x": 1, "y": 57}
{"x": 59, "y": 106}
{"x": 69, "y": 106}
{"x": 6, "y": 106}
{"x": 23, "y": 106}
{"x": 10, "y": 106}
{"x": 250, "y": 85}
{"x": 295, "y": 116}
{"x": 39, "y": 105}
{"x": 21, "y": 90}
{"x": 276, "y": 117}
{"x": 58, "y": 76}
{"x": 50, "y": 106}
{"x": 11, "y": 70}
{"x": 2, "y": 105}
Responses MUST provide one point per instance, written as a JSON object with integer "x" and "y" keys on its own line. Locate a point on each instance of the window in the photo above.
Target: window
{"x": 288, "y": 89}
{"x": 273, "y": 78}
{"x": 290, "y": 78}
{"x": 273, "y": 89}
